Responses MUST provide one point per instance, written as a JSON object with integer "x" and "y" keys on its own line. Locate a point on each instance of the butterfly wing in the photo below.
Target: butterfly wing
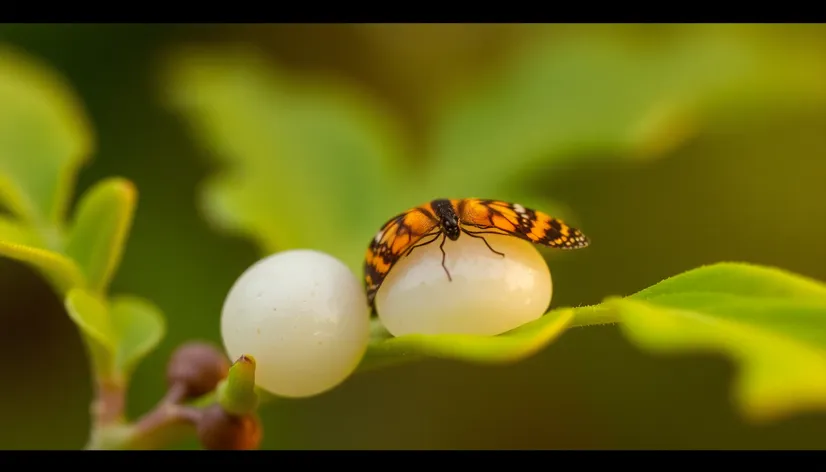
{"x": 516, "y": 220}
{"x": 399, "y": 235}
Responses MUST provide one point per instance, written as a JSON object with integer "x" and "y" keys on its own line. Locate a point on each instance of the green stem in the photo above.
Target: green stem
{"x": 594, "y": 315}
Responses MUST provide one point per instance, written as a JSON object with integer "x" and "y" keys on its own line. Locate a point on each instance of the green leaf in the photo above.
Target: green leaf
{"x": 772, "y": 323}
{"x": 237, "y": 393}
{"x": 596, "y": 95}
{"x": 44, "y": 138}
{"x": 101, "y": 226}
{"x": 139, "y": 326}
{"x": 119, "y": 334}
{"x": 61, "y": 272}
{"x": 509, "y": 347}
{"x": 301, "y": 152}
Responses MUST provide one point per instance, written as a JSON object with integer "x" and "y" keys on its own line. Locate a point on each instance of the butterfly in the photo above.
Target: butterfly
{"x": 449, "y": 219}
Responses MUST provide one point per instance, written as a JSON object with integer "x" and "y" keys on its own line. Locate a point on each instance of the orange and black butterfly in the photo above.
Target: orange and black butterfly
{"x": 448, "y": 219}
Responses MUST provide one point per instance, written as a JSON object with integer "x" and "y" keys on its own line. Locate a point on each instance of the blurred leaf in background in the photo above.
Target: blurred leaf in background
{"x": 316, "y": 157}
{"x": 44, "y": 139}
{"x": 595, "y": 94}
{"x": 321, "y": 164}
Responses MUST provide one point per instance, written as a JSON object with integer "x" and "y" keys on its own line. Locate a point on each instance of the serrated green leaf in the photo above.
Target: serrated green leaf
{"x": 509, "y": 347}
{"x": 772, "y": 323}
{"x": 118, "y": 333}
{"x": 100, "y": 228}
{"x": 139, "y": 327}
{"x": 596, "y": 95}
{"x": 61, "y": 272}
{"x": 44, "y": 138}
{"x": 298, "y": 148}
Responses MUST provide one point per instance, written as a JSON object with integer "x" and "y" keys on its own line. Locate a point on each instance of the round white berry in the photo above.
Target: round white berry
{"x": 488, "y": 294}
{"x": 303, "y": 316}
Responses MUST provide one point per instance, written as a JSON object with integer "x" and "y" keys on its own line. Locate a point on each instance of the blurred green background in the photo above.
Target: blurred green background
{"x": 737, "y": 174}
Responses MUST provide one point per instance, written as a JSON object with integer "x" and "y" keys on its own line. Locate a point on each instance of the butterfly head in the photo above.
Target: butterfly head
{"x": 448, "y": 220}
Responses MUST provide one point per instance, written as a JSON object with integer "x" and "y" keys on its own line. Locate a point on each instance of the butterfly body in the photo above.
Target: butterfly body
{"x": 449, "y": 219}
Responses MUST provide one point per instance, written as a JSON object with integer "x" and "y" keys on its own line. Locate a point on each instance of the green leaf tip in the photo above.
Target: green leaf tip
{"x": 767, "y": 320}
{"x": 101, "y": 225}
{"x": 237, "y": 394}
{"x": 505, "y": 348}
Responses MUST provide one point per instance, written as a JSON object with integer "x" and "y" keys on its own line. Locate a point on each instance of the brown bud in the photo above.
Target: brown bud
{"x": 219, "y": 430}
{"x": 197, "y": 368}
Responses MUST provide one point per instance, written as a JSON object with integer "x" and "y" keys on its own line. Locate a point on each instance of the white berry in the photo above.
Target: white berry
{"x": 303, "y": 316}
{"x": 488, "y": 295}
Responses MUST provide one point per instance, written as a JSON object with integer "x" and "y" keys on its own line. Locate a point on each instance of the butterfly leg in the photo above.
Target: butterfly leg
{"x": 475, "y": 234}
{"x": 442, "y": 248}
{"x": 434, "y": 238}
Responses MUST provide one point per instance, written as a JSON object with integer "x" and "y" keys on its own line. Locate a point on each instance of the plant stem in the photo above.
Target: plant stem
{"x": 109, "y": 403}
{"x": 164, "y": 424}
{"x": 594, "y": 315}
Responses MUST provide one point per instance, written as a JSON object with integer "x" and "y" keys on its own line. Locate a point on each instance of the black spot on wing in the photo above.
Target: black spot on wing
{"x": 517, "y": 223}
{"x": 373, "y": 274}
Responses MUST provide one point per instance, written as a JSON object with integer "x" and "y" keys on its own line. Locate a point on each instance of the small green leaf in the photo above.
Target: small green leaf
{"x": 772, "y": 323}
{"x": 119, "y": 333}
{"x": 45, "y": 137}
{"x": 61, "y": 272}
{"x": 101, "y": 226}
{"x": 92, "y": 317}
{"x": 237, "y": 394}
{"x": 139, "y": 327}
{"x": 509, "y": 347}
